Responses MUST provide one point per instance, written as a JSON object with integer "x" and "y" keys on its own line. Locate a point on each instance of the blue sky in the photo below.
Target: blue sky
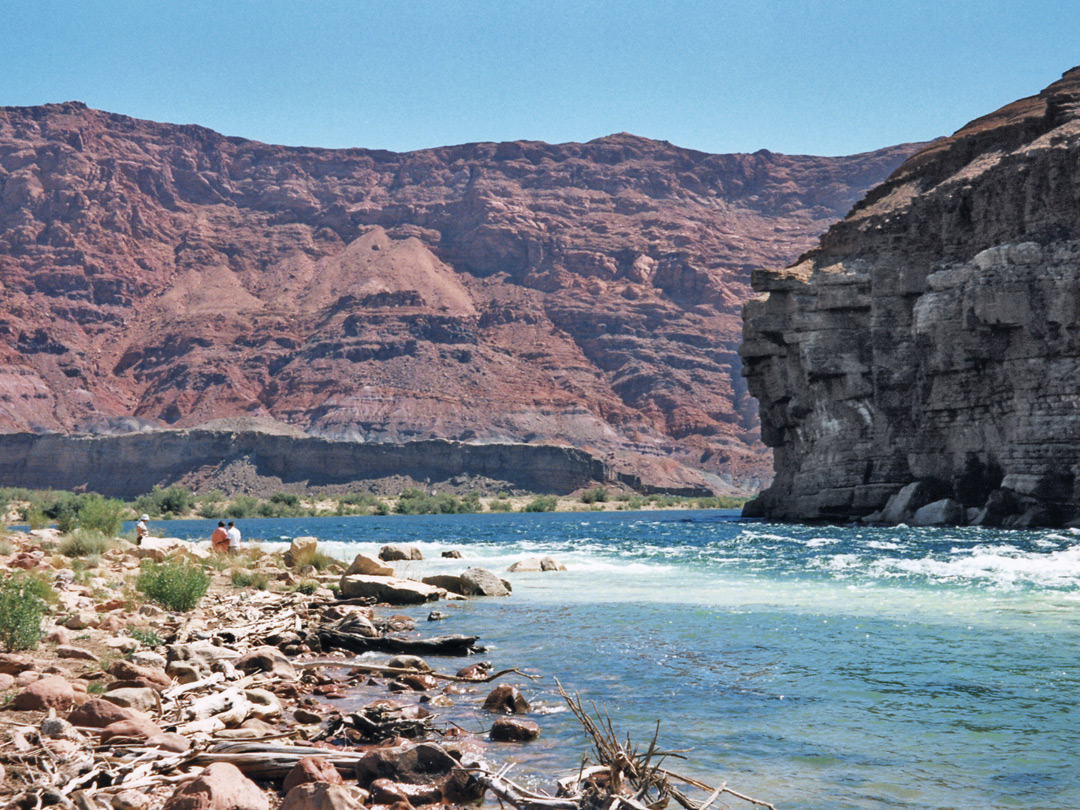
{"x": 797, "y": 76}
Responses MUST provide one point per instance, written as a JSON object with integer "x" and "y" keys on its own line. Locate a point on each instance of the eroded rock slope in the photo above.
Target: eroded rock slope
{"x": 931, "y": 341}
{"x": 586, "y": 294}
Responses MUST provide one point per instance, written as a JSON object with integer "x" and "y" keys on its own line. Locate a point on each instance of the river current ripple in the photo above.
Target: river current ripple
{"x": 810, "y": 666}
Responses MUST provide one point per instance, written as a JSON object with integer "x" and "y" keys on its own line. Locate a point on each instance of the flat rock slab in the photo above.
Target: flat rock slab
{"x": 389, "y": 589}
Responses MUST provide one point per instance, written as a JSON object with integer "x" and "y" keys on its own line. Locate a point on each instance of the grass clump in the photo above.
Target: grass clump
{"x": 85, "y": 543}
{"x": 22, "y": 606}
{"x": 307, "y": 587}
{"x": 242, "y": 578}
{"x": 176, "y": 585}
{"x": 594, "y": 495}
{"x": 148, "y": 638}
{"x": 315, "y": 558}
{"x": 545, "y": 503}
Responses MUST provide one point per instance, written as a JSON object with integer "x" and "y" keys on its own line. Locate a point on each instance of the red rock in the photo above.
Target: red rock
{"x": 475, "y": 672}
{"x": 220, "y": 786}
{"x": 605, "y": 262}
{"x": 25, "y": 560}
{"x": 505, "y": 699}
{"x": 323, "y": 796}
{"x": 513, "y": 729}
{"x": 311, "y": 769}
{"x": 58, "y": 635}
{"x": 78, "y": 653}
{"x": 124, "y": 670}
{"x": 137, "y": 727}
{"x": 99, "y": 713}
{"x": 6, "y": 681}
{"x": 53, "y": 692}
{"x": 266, "y": 659}
{"x": 13, "y": 664}
{"x": 169, "y": 741}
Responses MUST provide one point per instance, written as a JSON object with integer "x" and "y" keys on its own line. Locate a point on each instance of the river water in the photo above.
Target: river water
{"x": 809, "y": 666}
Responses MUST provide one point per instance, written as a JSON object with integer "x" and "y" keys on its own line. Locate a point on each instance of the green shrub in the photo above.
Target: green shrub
{"x": 84, "y": 543}
{"x": 100, "y": 514}
{"x": 243, "y": 506}
{"x": 545, "y": 503}
{"x": 595, "y": 495}
{"x": 498, "y": 505}
{"x": 413, "y": 501}
{"x": 35, "y": 517}
{"x": 307, "y": 587}
{"x": 286, "y": 498}
{"x": 242, "y": 578}
{"x": 176, "y": 585}
{"x": 148, "y": 638}
{"x": 173, "y": 501}
{"x": 22, "y": 606}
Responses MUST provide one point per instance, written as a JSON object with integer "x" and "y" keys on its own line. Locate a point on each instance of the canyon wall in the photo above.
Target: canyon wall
{"x": 263, "y": 462}
{"x": 581, "y": 294}
{"x": 927, "y": 353}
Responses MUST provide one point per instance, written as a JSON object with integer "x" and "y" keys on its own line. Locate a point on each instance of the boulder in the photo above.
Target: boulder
{"x": 1000, "y": 505}
{"x": 475, "y": 672}
{"x": 945, "y": 512}
{"x": 129, "y": 800}
{"x": 452, "y": 554}
{"x": 529, "y": 564}
{"x": 13, "y": 664}
{"x": 505, "y": 699}
{"x": 137, "y": 728}
{"x": 159, "y": 548}
{"x": 900, "y": 506}
{"x": 481, "y": 582}
{"x": 551, "y": 564}
{"x": 311, "y": 769}
{"x": 300, "y": 548}
{"x": 151, "y": 660}
{"x": 129, "y": 671}
{"x": 264, "y": 704}
{"x": 409, "y": 662}
{"x": 416, "y": 765}
{"x": 448, "y": 582}
{"x": 142, "y": 699}
{"x": 220, "y": 786}
{"x": 82, "y": 620}
{"x": 99, "y": 713}
{"x": 388, "y": 589}
{"x": 266, "y": 659}
{"x": 363, "y": 564}
{"x": 413, "y": 682}
{"x": 393, "y": 553}
{"x": 6, "y": 681}
{"x": 168, "y": 741}
{"x": 52, "y": 692}
{"x": 514, "y": 729}
{"x": 324, "y": 796}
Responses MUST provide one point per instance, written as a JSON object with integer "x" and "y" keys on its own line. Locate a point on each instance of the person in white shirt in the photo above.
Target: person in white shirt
{"x": 233, "y": 534}
{"x": 140, "y": 529}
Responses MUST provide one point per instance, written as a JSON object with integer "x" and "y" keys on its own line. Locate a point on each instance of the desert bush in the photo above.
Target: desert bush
{"x": 35, "y": 517}
{"x": 146, "y": 637}
{"x": 413, "y": 501}
{"x": 594, "y": 495}
{"x": 243, "y": 506}
{"x": 174, "y": 501}
{"x": 499, "y": 505}
{"x": 545, "y": 503}
{"x": 315, "y": 558}
{"x": 22, "y": 606}
{"x": 176, "y": 585}
{"x": 242, "y": 578}
{"x": 286, "y": 498}
{"x": 84, "y": 543}
{"x": 307, "y": 587}
{"x": 100, "y": 514}
{"x": 211, "y": 505}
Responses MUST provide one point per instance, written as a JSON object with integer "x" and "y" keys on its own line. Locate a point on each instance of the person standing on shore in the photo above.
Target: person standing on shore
{"x": 140, "y": 529}
{"x": 219, "y": 540}
{"x": 233, "y": 534}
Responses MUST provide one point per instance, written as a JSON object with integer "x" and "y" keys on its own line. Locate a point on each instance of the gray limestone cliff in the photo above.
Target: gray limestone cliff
{"x": 263, "y": 462}
{"x": 927, "y": 353}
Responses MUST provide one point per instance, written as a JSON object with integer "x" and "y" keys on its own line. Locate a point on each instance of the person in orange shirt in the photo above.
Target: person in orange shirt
{"x": 219, "y": 540}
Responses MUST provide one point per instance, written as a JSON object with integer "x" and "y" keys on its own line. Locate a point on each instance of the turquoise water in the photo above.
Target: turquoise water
{"x": 810, "y": 666}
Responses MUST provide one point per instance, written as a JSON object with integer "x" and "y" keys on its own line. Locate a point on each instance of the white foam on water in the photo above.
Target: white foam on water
{"x": 818, "y": 542}
{"x": 882, "y": 545}
{"x": 1003, "y": 566}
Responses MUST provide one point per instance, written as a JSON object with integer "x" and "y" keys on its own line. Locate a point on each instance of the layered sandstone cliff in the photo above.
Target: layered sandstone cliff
{"x": 580, "y": 294}
{"x": 928, "y": 351}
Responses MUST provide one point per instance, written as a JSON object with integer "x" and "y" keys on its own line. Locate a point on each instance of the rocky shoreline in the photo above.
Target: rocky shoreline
{"x": 245, "y": 702}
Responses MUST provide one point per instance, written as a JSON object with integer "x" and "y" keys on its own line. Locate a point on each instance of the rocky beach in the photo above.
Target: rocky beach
{"x": 291, "y": 683}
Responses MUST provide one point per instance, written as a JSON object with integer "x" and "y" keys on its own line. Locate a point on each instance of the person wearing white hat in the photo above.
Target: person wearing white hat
{"x": 141, "y": 530}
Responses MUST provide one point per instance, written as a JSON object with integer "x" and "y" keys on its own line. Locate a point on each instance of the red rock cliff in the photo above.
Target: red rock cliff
{"x": 579, "y": 293}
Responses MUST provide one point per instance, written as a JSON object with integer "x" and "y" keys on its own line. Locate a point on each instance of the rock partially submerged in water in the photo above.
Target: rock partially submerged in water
{"x": 368, "y": 566}
{"x": 392, "y": 553}
{"x": 532, "y": 564}
{"x": 391, "y": 590}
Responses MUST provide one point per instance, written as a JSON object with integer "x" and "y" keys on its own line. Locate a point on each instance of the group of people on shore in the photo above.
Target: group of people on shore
{"x": 223, "y": 541}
